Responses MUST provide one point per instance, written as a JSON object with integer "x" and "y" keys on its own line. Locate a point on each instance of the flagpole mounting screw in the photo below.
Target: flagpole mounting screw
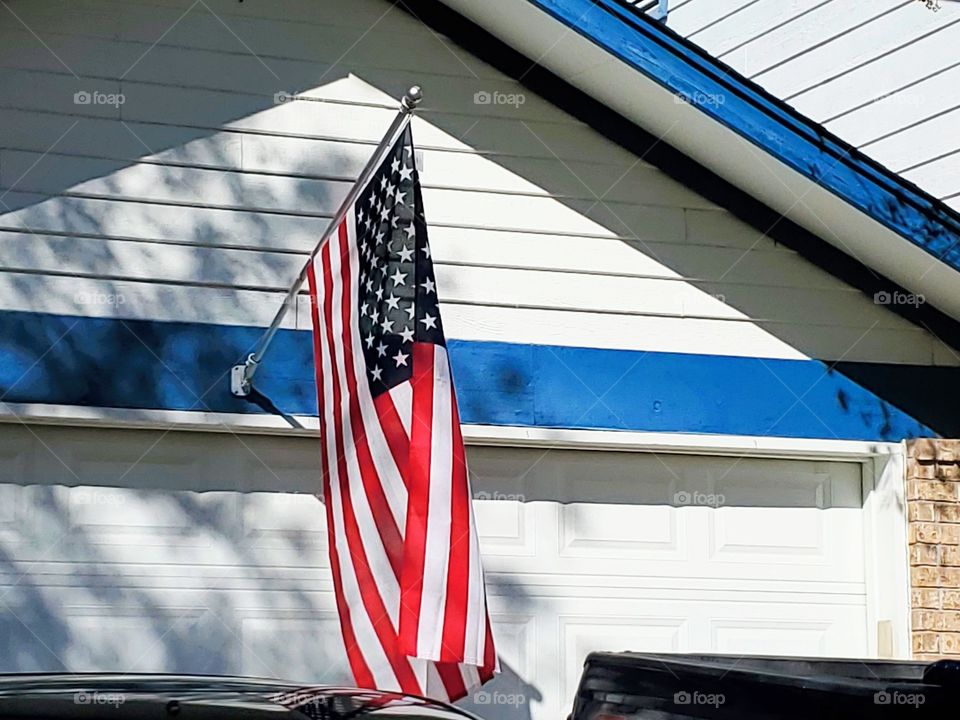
{"x": 412, "y": 98}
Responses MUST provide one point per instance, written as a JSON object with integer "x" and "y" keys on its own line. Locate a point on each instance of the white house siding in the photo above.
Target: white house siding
{"x": 881, "y": 74}
{"x": 196, "y": 198}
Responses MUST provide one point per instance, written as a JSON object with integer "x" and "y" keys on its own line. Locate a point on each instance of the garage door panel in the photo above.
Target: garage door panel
{"x": 303, "y": 647}
{"x": 775, "y": 541}
{"x": 584, "y": 550}
{"x": 505, "y": 526}
{"x": 279, "y": 527}
{"x": 620, "y": 531}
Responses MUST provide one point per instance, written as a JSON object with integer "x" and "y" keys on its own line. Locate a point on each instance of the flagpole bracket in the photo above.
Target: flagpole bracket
{"x": 241, "y": 377}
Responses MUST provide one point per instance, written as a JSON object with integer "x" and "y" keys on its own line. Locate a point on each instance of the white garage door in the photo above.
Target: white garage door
{"x": 199, "y": 552}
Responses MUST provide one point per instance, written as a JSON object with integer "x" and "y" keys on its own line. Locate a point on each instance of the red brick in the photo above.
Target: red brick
{"x": 925, "y": 598}
{"x": 947, "y": 512}
{"x": 931, "y": 533}
{"x": 924, "y": 554}
{"x": 950, "y": 643}
{"x": 923, "y": 449}
{"x": 921, "y": 511}
{"x": 948, "y": 450}
{"x": 948, "y": 471}
{"x": 932, "y": 490}
{"x": 926, "y": 642}
{"x": 925, "y": 620}
{"x": 935, "y": 577}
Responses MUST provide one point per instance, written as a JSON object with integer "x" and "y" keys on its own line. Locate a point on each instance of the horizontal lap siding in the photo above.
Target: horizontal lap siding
{"x": 878, "y": 73}
{"x": 198, "y": 197}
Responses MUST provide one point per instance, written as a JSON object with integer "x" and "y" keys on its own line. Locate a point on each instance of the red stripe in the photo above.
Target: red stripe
{"x": 372, "y": 601}
{"x": 394, "y": 431}
{"x": 452, "y": 681}
{"x": 377, "y": 499}
{"x": 458, "y": 563}
{"x": 489, "y": 654}
{"x": 418, "y": 501}
{"x": 359, "y": 667}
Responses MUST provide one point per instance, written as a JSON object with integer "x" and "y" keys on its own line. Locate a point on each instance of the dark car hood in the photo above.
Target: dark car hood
{"x": 189, "y": 697}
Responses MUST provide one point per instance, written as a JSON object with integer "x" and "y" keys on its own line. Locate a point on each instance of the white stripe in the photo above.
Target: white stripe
{"x": 435, "y": 687}
{"x": 476, "y": 629}
{"x": 471, "y": 677}
{"x": 366, "y": 637}
{"x": 390, "y": 478}
{"x": 402, "y": 396}
{"x": 379, "y": 563}
{"x": 437, "y": 546}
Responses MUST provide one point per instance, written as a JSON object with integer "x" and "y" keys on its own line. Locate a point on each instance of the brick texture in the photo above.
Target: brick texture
{"x": 933, "y": 513}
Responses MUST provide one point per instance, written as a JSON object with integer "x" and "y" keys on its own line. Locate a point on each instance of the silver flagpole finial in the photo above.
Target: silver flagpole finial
{"x": 412, "y": 98}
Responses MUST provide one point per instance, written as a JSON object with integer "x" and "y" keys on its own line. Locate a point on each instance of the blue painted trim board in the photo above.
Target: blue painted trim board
{"x": 666, "y": 58}
{"x": 114, "y": 363}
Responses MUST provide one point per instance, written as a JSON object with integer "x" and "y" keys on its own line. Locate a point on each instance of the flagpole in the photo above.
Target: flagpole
{"x": 241, "y": 376}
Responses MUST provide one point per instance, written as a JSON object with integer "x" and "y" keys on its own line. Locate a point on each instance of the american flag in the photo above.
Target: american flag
{"x": 402, "y": 535}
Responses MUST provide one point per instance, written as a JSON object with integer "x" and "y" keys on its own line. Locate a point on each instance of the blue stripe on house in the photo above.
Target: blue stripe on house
{"x": 183, "y": 366}
{"x": 682, "y": 68}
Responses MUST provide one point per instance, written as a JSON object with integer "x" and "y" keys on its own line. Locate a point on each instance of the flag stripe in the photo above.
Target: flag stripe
{"x": 359, "y": 667}
{"x": 382, "y": 520}
{"x": 367, "y": 640}
{"x": 440, "y": 515}
{"x": 403, "y": 544}
{"x": 394, "y": 432}
{"x": 389, "y": 470}
{"x": 401, "y": 676}
{"x": 458, "y": 595}
{"x": 418, "y": 485}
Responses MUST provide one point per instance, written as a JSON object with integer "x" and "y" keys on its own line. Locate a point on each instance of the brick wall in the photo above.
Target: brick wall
{"x": 933, "y": 512}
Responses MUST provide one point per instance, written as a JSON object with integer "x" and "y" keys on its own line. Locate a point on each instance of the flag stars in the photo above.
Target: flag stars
{"x": 377, "y": 372}
{"x": 407, "y": 334}
{"x": 429, "y": 322}
{"x": 393, "y": 302}
{"x": 429, "y": 286}
{"x": 406, "y": 173}
{"x": 406, "y": 254}
{"x": 400, "y": 358}
{"x": 381, "y": 349}
{"x": 399, "y": 278}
